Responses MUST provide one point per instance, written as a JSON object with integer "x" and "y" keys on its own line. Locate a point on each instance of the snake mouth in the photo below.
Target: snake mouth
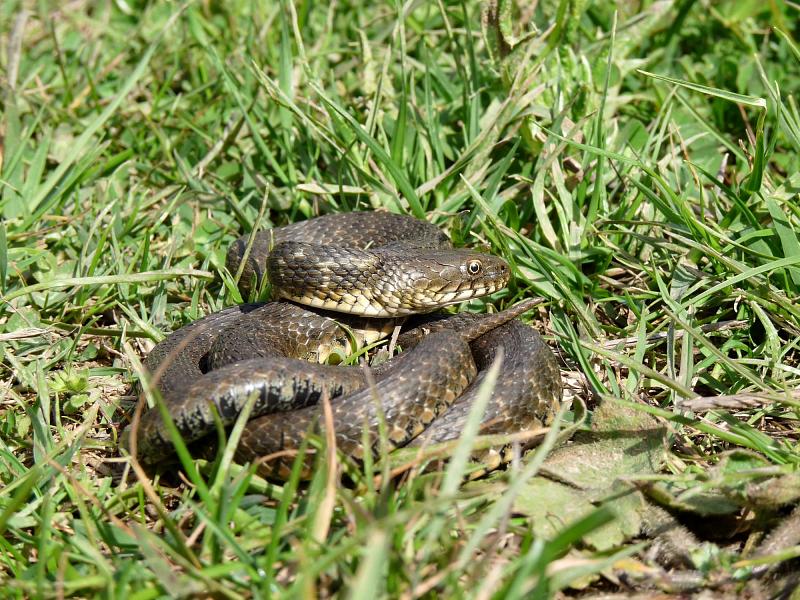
{"x": 455, "y": 296}
{"x": 385, "y": 306}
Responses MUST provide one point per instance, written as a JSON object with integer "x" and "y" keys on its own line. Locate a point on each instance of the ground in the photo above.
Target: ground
{"x": 635, "y": 162}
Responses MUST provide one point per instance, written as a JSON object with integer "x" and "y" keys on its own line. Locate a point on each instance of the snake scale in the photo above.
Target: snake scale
{"x": 345, "y": 281}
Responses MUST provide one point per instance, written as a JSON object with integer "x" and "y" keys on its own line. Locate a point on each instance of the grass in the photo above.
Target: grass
{"x": 637, "y": 167}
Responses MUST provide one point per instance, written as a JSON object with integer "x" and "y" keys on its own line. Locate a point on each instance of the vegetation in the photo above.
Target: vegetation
{"x": 636, "y": 162}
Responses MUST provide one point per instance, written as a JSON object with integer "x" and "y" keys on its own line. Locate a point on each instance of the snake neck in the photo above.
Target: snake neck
{"x": 390, "y": 281}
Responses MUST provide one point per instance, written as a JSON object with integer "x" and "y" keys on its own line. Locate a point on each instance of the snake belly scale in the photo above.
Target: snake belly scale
{"x": 344, "y": 281}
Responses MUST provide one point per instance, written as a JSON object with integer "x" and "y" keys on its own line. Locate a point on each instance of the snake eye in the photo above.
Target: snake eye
{"x": 474, "y": 267}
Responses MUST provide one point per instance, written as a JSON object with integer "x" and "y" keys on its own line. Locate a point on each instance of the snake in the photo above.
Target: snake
{"x": 340, "y": 283}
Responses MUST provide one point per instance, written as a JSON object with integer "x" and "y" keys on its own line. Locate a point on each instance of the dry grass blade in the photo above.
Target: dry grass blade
{"x": 322, "y": 516}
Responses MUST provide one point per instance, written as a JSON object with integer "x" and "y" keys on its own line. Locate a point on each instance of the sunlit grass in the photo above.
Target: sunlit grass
{"x": 638, "y": 169}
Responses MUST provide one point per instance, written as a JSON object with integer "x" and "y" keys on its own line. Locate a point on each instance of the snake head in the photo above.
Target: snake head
{"x": 437, "y": 278}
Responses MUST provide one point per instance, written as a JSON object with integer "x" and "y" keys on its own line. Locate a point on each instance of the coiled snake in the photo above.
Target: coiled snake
{"x": 378, "y": 264}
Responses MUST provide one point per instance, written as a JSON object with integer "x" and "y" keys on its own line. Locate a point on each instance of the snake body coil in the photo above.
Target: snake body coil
{"x": 374, "y": 264}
